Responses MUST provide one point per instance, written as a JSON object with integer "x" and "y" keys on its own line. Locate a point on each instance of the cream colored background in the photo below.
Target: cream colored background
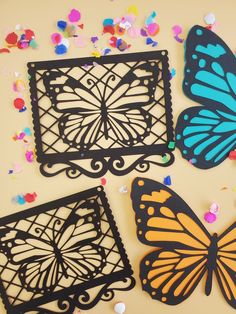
{"x": 199, "y": 188}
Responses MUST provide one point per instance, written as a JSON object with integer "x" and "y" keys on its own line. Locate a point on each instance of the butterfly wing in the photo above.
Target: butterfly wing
{"x": 165, "y": 221}
{"x": 170, "y": 276}
{"x": 205, "y": 137}
{"x": 70, "y": 251}
{"x": 127, "y": 119}
{"x": 80, "y": 123}
{"x": 226, "y": 264}
{"x": 207, "y": 134}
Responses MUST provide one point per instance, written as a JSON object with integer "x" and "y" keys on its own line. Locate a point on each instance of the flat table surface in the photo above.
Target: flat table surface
{"x": 198, "y": 188}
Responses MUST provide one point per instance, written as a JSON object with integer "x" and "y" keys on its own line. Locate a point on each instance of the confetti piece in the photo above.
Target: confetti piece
{"x": 11, "y": 39}
{"x": 119, "y": 30}
{"x": 19, "y": 199}
{"x": 74, "y": 16}
{"x": 123, "y": 189}
{"x": 94, "y": 39}
{"x": 96, "y": 54}
{"x": 106, "y": 51}
{"x": 153, "y": 29}
{"x": 30, "y": 197}
{"x": 109, "y": 29}
{"x": 210, "y": 18}
{"x": 60, "y": 49}
{"x": 134, "y": 32}
{"x": 143, "y": 32}
{"x": 27, "y": 131}
{"x": 17, "y": 168}
{"x": 214, "y": 208}
{"x": 80, "y": 41}
{"x": 172, "y": 73}
{"x": 29, "y": 155}
{"x": 56, "y": 38}
{"x": 177, "y": 30}
{"x": 103, "y": 181}
{"x": 19, "y": 104}
{"x": 133, "y": 10}
{"x": 232, "y": 155}
{"x": 4, "y": 50}
{"x": 19, "y": 86}
{"x": 150, "y": 41}
{"x": 165, "y": 159}
{"x": 108, "y": 22}
{"x": 224, "y": 188}
{"x": 171, "y": 145}
{"x": 61, "y": 25}
{"x": 210, "y": 217}
{"x": 167, "y": 180}
{"x": 192, "y": 161}
{"x": 65, "y": 42}
{"x": 119, "y": 308}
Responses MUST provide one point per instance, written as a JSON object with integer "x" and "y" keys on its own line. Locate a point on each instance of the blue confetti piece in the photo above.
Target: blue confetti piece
{"x": 149, "y": 41}
{"x": 23, "y": 109}
{"x": 60, "y": 49}
{"x": 107, "y": 22}
{"x": 61, "y": 25}
{"x": 27, "y": 131}
{"x": 20, "y": 199}
{"x": 167, "y": 180}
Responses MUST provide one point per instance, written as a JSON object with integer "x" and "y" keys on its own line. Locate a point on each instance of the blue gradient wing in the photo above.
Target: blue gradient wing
{"x": 206, "y": 134}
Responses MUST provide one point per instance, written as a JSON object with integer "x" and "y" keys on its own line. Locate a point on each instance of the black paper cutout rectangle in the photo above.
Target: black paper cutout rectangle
{"x": 96, "y": 115}
{"x": 88, "y": 261}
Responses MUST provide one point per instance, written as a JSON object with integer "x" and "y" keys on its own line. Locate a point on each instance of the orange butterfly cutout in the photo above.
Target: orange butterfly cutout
{"x": 185, "y": 249}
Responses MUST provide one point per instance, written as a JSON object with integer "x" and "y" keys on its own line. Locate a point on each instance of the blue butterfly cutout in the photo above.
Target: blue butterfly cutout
{"x": 206, "y": 134}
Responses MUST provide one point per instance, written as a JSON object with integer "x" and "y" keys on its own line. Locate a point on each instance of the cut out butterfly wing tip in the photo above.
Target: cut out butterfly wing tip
{"x": 205, "y": 137}
{"x": 163, "y": 218}
{"x": 170, "y": 276}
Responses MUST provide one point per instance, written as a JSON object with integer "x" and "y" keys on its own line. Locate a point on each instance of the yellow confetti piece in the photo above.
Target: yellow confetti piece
{"x": 96, "y": 54}
{"x": 234, "y": 189}
{"x": 20, "y": 85}
{"x": 133, "y": 9}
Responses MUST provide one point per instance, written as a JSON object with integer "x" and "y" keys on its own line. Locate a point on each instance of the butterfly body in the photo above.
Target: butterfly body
{"x": 211, "y": 263}
{"x": 207, "y": 133}
{"x": 185, "y": 251}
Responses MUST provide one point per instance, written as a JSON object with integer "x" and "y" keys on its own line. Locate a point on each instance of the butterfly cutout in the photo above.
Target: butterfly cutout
{"x": 185, "y": 251}
{"x": 66, "y": 251}
{"x": 92, "y": 109}
{"x": 206, "y": 134}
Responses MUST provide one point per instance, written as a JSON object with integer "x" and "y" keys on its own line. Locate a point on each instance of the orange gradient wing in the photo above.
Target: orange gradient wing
{"x": 226, "y": 264}
{"x": 170, "y": 276}
{"x": 164, "y": 219}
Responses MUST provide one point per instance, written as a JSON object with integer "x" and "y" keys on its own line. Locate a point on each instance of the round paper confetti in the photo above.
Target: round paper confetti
{"x": 210, "y": 18}
{"x": 74, "y": 16}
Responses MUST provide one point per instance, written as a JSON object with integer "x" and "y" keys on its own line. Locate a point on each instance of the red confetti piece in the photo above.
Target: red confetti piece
{"x": 29, "y": 34}
{"x": 11, "y": 38}
{"x": 232, "y": 155}
{"x": 81, "y": 26}
{"x": 30, "y": 197}
{"x": 109, "y": 29}
{"x": 19, "y": 103}
{"x": 4, "y": 50}
{"x": 103, "y": 181}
